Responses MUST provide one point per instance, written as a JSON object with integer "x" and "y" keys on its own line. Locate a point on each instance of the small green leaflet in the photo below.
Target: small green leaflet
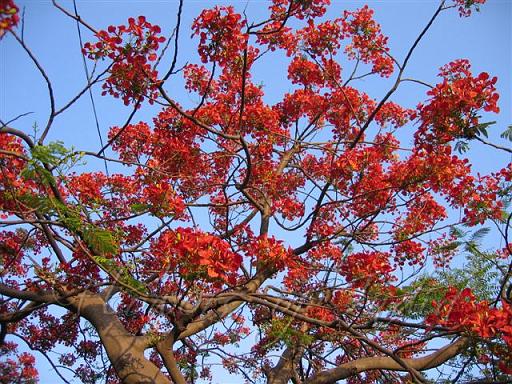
{"x": 507, "y": 134}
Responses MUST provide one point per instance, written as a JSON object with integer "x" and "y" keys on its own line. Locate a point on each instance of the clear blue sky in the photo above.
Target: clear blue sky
{"x": 485, "y": 39}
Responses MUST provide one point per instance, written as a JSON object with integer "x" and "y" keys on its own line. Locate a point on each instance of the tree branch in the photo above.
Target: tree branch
{"x": 354, "y": 367}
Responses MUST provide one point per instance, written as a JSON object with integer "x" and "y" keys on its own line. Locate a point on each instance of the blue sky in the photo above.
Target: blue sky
{"x": 485, "y": 39}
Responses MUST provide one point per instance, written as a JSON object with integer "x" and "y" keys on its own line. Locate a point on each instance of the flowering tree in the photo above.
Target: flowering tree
{"x": 296, "y": 242}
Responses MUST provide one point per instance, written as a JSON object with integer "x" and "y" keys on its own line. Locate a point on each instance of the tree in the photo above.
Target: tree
{"x": 306, "y": 241}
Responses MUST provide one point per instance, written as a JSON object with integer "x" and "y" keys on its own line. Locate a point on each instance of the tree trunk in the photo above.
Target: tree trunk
{"x": 125, "y": 351}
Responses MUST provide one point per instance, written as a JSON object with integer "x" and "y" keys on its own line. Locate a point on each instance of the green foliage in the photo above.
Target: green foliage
{"x": 99, "y": 240}
{"x": 120, "y": 273}
{"x": 51, "y": 154}
{"x": 139, "y": 207}
{"x": 34, "y": 171}
{"x": 477, "y": 274}
{"x": 283, "y": 331}
{"x": 479, "y": 129}
{"x": 461, "y": 146}
{"x": 507, "y": 134}
{"x": 419, "y": 297}
{"x": 450, "y": 247}
{"x": 457, "y": 232}
{"x": 470, "y": 133}
{"x": 475, "y": 239}
{"x": 48, "y": 157}
{"x": 480, "y": 269}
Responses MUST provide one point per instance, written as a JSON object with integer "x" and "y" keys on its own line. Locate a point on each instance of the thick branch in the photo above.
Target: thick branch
{"x": 285, "y": 367}
{"x": 165, "y": 350}
{"x": 222, "y": 310}
{"x": 387, "y": 363}
{"x": 125, "y": 351}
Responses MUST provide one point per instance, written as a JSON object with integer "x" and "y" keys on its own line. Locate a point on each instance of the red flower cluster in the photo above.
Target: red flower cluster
{"x": 454, "y": 105}
{"x": 424, "y": 213}
{"x": 198, "y": 79}
{"x": 304, "y": 9}
{"x": 163, "y": 200}
{"x": 132, "y": 313}
{"x": 234, "y": 333}
{"x": 392, "y": 337}
{"x": 131, "y": 48}
{"x": 363, "y": 269}
{"x": 442, "y": 250}
{"x": 408, "y": 251}
{"x": 320, "y": 313}
{"x": 309, "y": 74}
{"x": 348, "y": 107}
{"x": 167, "y": 154}
{"x": 268, "y": 250}
{"x": 133, "y": 143}
{"x": 482, "y": 201}
{"x": 461, "y": 311}
{"x": 305, "y": 72}
{"x": 343, "y": 299}
{"x": 12, "y": 244}
{"x": 16, "y": 367}
{"x": 221, "y": 36}
{"x": 9, "y": 17}
{"x": 368, "y": 43}
{"x": 466, "y": 5}
{"x": 322, "y": 39}
{"x": 10, "y": 177}
{"x": 442, "y": 172}
{"x": 87, "y": 187}
{"x": 393, "y": 114}
{"x": 196, "y": 254}
{"x": 302, "y": 102}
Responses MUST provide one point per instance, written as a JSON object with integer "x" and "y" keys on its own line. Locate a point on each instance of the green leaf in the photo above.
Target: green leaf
{"x": 135, "y": 284}
{"x": 478, "y": 235}
{"x": 461, "y": 146}
{"x": 419, "y": 296}
{"x": 476, "y": 274}
{"x": 282, "y": 330}
{"x": 35, "y": 171}
{"x": 507, "y": 134}
{"x": 50, "y": 154}
{"x": 477, "y": 130}
{"x": 449, "y": 247}
{"x": 121, "y": 273}
{"x": 100, "y": 241}
{"x": 457, "y": 232}
{"x": 138, "y": 207}
{"x": 482, "y": 128}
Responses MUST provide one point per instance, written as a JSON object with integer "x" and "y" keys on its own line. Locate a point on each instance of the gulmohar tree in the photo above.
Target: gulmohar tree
{"x": 183, "y": 261}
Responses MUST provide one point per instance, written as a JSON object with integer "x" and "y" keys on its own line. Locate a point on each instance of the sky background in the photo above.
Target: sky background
{"x": 485, "y": 39}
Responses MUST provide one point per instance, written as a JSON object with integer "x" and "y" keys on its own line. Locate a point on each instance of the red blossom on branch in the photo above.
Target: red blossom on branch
{"x": 131, "y": 49}
{"x": 368, "y": 43}
{"x": 464, "y": 6}
{"x": 9, "y": 16}
{"x": 453, "y": 110}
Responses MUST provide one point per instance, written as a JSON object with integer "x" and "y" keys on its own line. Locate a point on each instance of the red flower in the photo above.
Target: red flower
{"x": 130, "y": 48}
{"x": 368, "y": 43}
{"x": 363, "y": 269}
{"x": 9, "y": 17}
